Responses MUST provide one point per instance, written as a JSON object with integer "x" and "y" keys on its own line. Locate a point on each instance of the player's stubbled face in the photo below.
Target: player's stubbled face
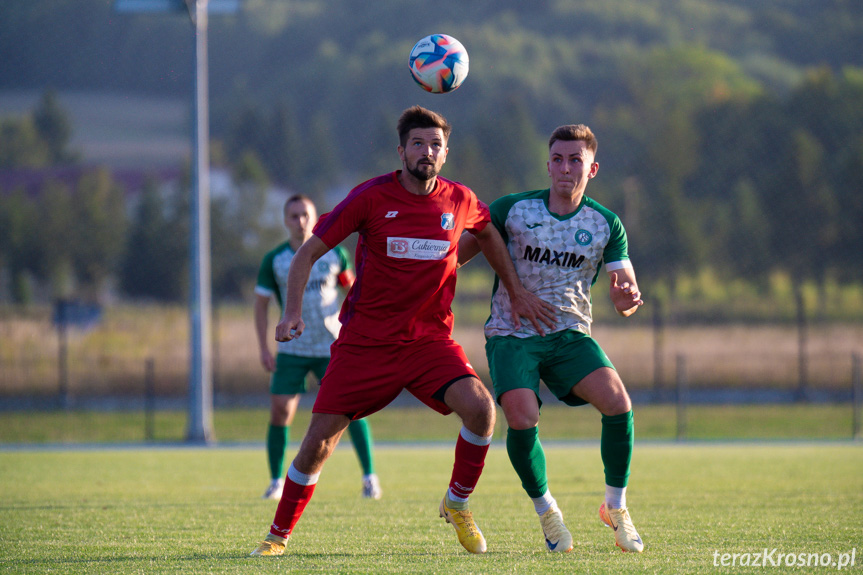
{"x": 424, "y": 153}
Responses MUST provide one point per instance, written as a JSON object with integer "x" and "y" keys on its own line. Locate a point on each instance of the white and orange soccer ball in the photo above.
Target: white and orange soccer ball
{"x": 439, "y": 63}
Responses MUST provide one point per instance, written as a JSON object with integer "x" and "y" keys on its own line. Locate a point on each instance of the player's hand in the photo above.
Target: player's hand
{"x": 268, "y": 361}
{"x": 527, "y": 305}
{"x": 625, "y": 297}
{"x": 289, "y": 328}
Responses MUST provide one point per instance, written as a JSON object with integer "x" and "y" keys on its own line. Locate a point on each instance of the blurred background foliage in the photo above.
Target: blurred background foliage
{"x": 731, "y": 135}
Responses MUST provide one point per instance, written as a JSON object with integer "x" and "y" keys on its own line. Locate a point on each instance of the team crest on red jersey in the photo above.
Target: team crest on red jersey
{"x": 447, "y": 221}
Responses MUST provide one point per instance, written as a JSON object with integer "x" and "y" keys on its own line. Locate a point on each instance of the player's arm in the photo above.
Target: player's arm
{"x": 624, "y": 292}
{"x": 524, "y": 304}
{"x": 292, "y": 324}
{"x": 468, "y": 247}
{"x": 262, "y": 304}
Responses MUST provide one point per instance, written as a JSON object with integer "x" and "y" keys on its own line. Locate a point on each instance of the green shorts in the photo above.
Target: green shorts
{"x": 291, "y": 371}
{"x": 560, "y": 359}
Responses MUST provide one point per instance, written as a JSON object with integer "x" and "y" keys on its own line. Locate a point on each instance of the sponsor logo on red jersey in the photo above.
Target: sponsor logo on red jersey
{"x": 417, "y": 248}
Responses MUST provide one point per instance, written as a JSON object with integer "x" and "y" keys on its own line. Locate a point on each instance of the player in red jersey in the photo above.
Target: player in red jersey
{"x": 396, "y": 320}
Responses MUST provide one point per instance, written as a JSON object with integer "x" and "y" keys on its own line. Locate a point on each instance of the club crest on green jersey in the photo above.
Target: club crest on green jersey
{"x": 583, "y": 237}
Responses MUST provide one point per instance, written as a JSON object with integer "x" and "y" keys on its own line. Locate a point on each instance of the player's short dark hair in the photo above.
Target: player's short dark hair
{"x": 419, "y": 117}
{"x": 297, "y": 198}
{"x": 574, "y": 132}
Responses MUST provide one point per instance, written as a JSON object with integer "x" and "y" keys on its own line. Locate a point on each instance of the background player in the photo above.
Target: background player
{"x": 396, "y": 320}
{"x": 558, "y": 240}
{"x": 297, "y": 358}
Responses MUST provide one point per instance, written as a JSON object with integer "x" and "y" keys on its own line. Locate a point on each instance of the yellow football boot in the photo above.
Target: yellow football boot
{"x": 468, "y": 533}
{"x": 271, "y": 545}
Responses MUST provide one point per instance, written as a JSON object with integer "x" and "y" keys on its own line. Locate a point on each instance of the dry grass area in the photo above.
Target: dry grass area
{"x": 717, "y": 356}
{"x": 110, "y": 358}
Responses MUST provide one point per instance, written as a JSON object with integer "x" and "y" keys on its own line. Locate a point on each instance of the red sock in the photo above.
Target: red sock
{"x": 294, "y": 499}
{"x": 469, "y": 461}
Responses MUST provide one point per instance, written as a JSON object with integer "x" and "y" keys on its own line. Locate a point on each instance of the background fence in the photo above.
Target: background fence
{"x": 137, "y": 358}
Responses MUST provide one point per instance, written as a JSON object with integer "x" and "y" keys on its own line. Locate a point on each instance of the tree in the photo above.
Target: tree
{"x": 54, "y": 260}
{"x": 241, "y": 230}
{"x": 849, "y": 183}
{"x": 154, "y": 263}
{"x": 54, "y": 128}
{"x": 20, "y": 144}
{"x": 18, "y": 220}
{"x": 511, "y": 155}
{"x": 282, "y": 149}
{"x": 98, "y": 209}
{"x": 666, "y": 91}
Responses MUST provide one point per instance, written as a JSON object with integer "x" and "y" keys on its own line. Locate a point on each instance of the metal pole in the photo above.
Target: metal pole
{"x": 149, "y": 399}
{"x": 682, "y": 397}
{"x": 802, "y": 344}
{"x": 63, "y": 359}
{"x": 216, "y": 355}
{"x": 657, "y": 349}
{"x": 856, "y": 394}
{"x": 200, "y": 373}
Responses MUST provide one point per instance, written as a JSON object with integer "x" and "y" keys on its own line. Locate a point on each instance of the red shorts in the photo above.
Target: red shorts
{"x": 365, "y": 376}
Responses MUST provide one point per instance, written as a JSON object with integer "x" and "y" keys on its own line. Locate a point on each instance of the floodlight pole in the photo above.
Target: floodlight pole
{"x": 200, "y": 429}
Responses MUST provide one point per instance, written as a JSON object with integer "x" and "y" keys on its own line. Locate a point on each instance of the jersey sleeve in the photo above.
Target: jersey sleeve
{"x": 345, "y": 263}
{"x": 478, "y": 215}
{"x": 266, "y": 284}
{"x": 349, "y": 216}
{"x": 500, "y": 211}
{"x": 616, "y": 254}
{"x": 346, "y": 275}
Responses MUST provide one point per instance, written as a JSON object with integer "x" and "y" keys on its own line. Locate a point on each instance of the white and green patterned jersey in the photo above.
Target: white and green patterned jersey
{"x": 557, "y": 258}
{"x": 321, "y": 302}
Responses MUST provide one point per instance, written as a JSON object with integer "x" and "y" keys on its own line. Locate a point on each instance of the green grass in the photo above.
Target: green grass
{"x": 186, "y": 510}
{"x": 720, "y": 422}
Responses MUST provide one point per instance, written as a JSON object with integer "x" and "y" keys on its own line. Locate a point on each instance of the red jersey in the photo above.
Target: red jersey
{"x": 406, "y": 255}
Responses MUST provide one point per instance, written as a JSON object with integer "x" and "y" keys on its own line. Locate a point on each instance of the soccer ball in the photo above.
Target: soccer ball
{"x": 439, "y": 63}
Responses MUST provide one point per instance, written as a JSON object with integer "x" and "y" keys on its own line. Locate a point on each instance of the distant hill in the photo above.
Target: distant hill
{"x": 336, "y": 64}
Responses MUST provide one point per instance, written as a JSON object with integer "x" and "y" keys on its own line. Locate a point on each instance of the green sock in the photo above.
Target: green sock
{"x": 618, "y": 436}
{"x": 528, "y": 459}
{"x": 277, "y": 443}
{"x": 361, "y": 437}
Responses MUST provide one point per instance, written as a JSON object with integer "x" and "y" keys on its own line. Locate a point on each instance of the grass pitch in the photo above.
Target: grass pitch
{"x": 653, "y": 422}
{"x": 198, "y": 510}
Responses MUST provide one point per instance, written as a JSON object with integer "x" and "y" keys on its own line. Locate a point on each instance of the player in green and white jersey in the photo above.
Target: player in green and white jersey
{"x": 295, "y": 359}
{"x": 558, "y": 240}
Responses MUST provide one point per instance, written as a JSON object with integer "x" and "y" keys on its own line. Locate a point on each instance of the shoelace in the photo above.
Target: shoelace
{"x": 465, "y": 519}
{"x": 626, "y": 523}
{"x": 554, "y": 526}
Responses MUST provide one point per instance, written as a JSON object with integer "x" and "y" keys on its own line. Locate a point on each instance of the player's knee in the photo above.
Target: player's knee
{"x": 279, "y": 415}
{"x": 483, "y": 397}
{"x": 485, "y": 410}
{"x": 519, "y": 420}
{"x": 472, "y": 402}
{"x": 618, "y": 402}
